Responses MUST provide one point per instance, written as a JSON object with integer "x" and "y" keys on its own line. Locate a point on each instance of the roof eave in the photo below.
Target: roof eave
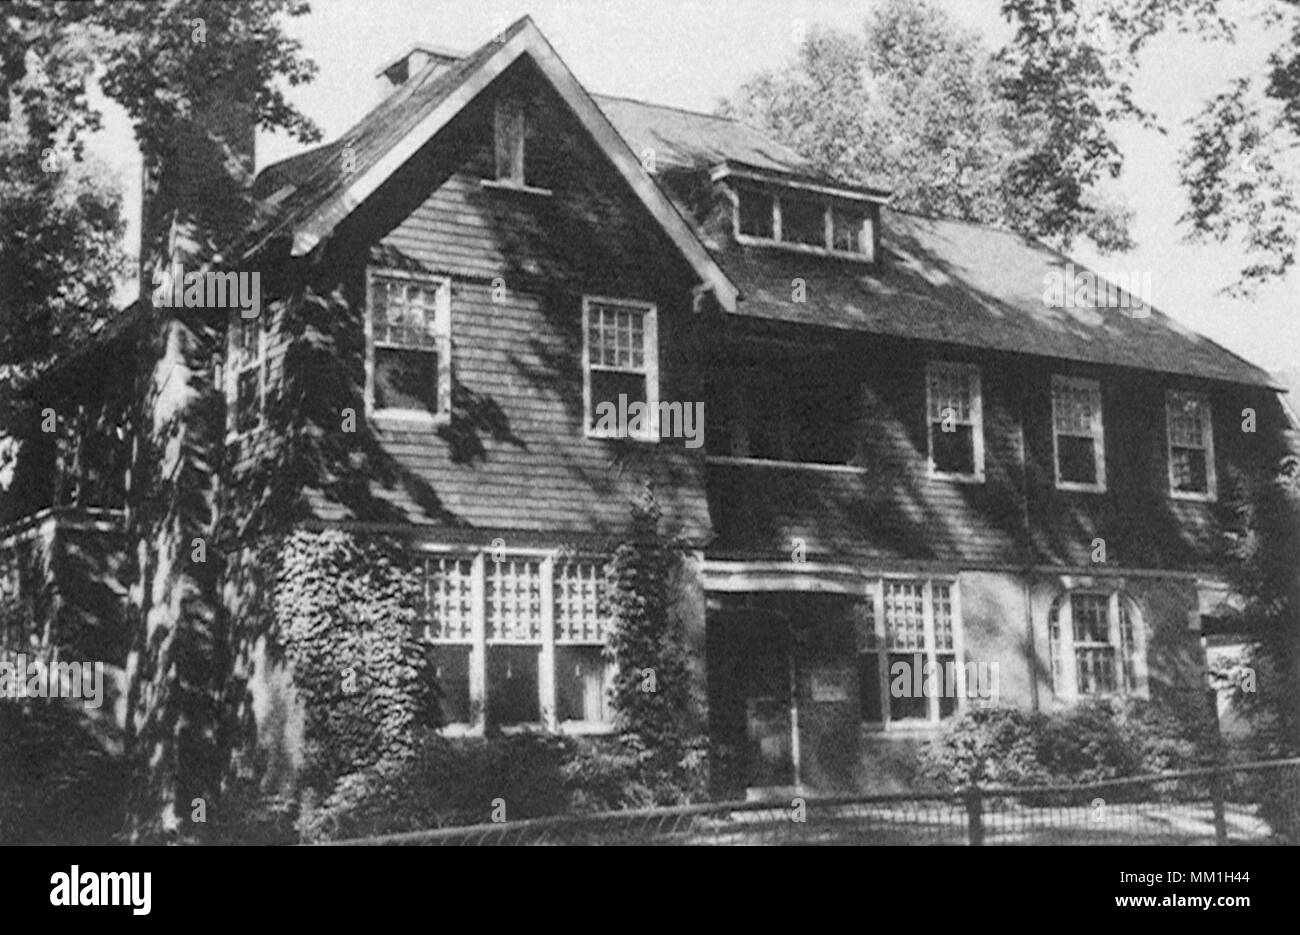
{"x": 310, "y": 232}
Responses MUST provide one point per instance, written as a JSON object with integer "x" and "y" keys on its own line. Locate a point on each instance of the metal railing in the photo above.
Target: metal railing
{"x": 1250, "y": 803}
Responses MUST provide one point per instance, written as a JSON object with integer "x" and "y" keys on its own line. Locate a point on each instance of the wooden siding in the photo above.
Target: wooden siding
{"x": 514, "y": 456}
{"x": 893, "y": 511}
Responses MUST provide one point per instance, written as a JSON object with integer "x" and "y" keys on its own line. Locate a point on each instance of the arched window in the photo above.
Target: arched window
{"x": 1094, "y": 641}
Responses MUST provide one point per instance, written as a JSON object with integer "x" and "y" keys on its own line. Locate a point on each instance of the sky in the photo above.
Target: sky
{"x": 692, "y": 53}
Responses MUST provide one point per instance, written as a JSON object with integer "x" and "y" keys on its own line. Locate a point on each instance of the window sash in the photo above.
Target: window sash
{"x": 1083, "y": 666}
{"x": 246, "y": 342}
{"x": 955, "y": 387}
{"x": 614, "y": 328}
{"x": 422, "y": 326}
{"x": 921, "y": 618}
{"x": 1077, "y": 413}
{"x": 537, "y": 602}
{"x": 1190, "y": 435}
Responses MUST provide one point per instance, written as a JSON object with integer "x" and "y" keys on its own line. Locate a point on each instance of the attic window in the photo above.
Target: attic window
{"x": 802, "y": 221}
{"x": 510, "y": 132}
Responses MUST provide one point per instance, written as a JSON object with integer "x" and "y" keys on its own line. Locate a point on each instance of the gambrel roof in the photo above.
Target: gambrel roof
{"x": 947, "y": 281}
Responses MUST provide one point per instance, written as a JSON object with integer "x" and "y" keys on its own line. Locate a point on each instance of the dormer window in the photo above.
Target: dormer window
{"x": 806, "y": 221}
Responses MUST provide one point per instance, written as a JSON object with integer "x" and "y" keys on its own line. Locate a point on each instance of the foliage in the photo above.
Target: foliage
{"x": 62, "y": 780}
{"x": 651, "y": 694}
{"x": 1260, "y": 546}
{"x": 346, "y": 609}
{"x": 464, "y": 781}
{"x": 921, "y": 107}
{"x": 1091, "y": 742}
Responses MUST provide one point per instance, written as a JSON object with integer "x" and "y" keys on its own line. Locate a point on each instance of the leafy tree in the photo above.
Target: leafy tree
{"x": 1261, "y": 548}
{"x": 921, "y": 107}
{"x": 195, "y": 77}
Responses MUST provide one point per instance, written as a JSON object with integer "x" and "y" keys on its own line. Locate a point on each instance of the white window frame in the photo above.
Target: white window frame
{"x": 875, "y": 594}
{"x": 971, "y": 372}
{"x": 1098, "y": 434}
{"x": 1062, "y": 652}
{"x": 1180, "y": 397}
{"x": 413, "y": 417}
{"x": 480, "y": 641}
{"x": 866, "y": 236}
{"x": 650, "y": 366}
{"x": 236, "y": 366}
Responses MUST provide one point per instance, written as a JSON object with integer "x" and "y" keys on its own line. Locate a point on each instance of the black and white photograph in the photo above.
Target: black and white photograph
{"x": 575, "y": 423}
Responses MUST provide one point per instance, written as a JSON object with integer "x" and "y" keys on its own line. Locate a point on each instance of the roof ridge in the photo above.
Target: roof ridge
{"x": 681, "y": 110}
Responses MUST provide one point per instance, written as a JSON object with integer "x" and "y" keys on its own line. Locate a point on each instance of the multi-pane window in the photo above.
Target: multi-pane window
{"x": 582, "y": 668}
{"x": 1191, "y": 445}
{"x": 804, "y": 221}
{"x": 956, "y": 421}
{"x": 1092, "y": 643}
{"x": 510, "y": 124}
{"x": 907, "y": 652}
{"x": 518, "y": 640}
{"x": 620, "y": 358}
{"x": 514, "y": 640}
{"x": 246, "y": 374}
{"x": 409, "y": 372}
{"x": 1077, "y": 434}
{"x": 449, "y": 626}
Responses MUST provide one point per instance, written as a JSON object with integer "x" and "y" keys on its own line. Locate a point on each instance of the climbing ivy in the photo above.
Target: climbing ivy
{"x": 346, "y": 608}
{"x": 652, "y": 691}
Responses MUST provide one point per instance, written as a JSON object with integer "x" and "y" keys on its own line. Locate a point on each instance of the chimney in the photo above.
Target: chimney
{"x": 410, "y": 63}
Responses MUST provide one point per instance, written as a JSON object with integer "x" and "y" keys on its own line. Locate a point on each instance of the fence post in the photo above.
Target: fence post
{"x": 975, "y": 815}
{"x": 1217, "y": 784}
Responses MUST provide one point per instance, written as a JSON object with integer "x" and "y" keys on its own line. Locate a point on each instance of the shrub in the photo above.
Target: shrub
{"x": 1094, "y": 741}
{"x": 463, "y": 781}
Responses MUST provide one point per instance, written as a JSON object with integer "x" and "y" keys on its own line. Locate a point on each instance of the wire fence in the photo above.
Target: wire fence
{"x": 1251, "y": 803}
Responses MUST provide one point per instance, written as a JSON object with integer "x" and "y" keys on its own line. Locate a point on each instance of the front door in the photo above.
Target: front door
{"x": 767, "y": 709}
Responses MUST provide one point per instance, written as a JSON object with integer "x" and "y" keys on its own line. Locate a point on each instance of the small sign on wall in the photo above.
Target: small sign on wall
{"x": 829, "y": 685}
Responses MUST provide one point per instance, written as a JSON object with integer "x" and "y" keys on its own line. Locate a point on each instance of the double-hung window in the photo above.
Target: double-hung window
{"x": 956, "y": 421}
{"x": 408, "y": 367}
{"x": 1093, "y": 644}
{"x": 620, "y": 368}
{"x": 1191, "y": 445}
{"x": 245, "y": 375}
{"x": 518, "y": 640}
{"x": 908, "y": 652}
{"x": 1077, "y": 434}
